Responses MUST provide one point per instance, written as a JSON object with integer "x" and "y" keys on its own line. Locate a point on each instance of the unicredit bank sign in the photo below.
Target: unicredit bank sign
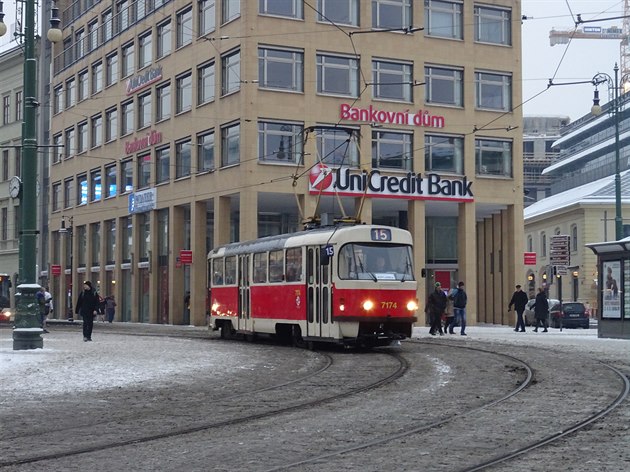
{"x": 351, "y": 183}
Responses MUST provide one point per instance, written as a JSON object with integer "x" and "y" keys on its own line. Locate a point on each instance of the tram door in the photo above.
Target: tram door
{"x": 318, "y": 322}
{"x": 243, "y": 293}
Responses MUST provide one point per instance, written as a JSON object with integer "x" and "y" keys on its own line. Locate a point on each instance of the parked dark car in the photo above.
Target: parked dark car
{"x": 571, "y": 315}
{"x": 528, "y": 314}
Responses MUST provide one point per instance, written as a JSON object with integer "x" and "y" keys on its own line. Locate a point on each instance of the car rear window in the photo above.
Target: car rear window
{"x": 574, "y": 308}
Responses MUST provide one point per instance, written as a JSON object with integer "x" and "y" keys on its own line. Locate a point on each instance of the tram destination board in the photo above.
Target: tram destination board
{"x": 559, "y": 250}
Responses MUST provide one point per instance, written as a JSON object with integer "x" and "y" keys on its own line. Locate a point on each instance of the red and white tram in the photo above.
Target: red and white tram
{"x": 352, "y": 285}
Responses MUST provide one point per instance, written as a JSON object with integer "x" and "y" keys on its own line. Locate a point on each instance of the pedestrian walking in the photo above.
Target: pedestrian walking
{"x": 449, "y": 315}
{"x": 42, "y": 311}
{"x": 436, "y": 306}
{"x": 518, "y": 301}
{"x": 460, "y": 299}
{"x": 110, "y": 307}
{"x": 87, "y": 305}
{"x": 541, "y": 310}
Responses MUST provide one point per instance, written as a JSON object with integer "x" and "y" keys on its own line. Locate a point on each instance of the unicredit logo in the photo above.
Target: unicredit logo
{"x": 321, "y": 177}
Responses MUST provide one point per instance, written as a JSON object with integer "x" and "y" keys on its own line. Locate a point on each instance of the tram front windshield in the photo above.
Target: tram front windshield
{"x": 365, "y": 261}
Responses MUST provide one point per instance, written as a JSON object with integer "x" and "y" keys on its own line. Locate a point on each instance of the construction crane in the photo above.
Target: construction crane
{"x": 597, "y": 32}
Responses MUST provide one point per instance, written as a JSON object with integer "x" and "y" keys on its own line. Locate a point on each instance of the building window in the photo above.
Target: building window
{"x": 5, "y": 223}
{"x": 57, "y": 103}
{"x": 111, "y": 69}
{"x": 493, "y": 91}
{"x": 543, "y": 245}
{"x": 144, "y": 235}
{"x": 493, "y": 25}
{"x": 391, "y": 150}
{"x": 207, "y": 16}
{"x": 68, "y": 189}
{"x": 18, "y": 106}
{"x": 81, "y": 233}
{"x": 6, "y": 109}
{"x": 493, "y": 158}
{"x": 144, "y": 110}
{"x": 182, "y": 158}
{"x": 391, "y": 14}
{"x": 164, "y": 39}
{"x": 183, "y": 84}
{"x": 144, "y": 170}
{"x": 337, "y": 147}
{"x": 82, "y": 190}
{"x": 163, "y": 111}
{"x": 230, "y": 145}
{"x": 107, "y": 29}
{"x": 97, "y": 77}
{"x": 92, "y": 37}
{"x": 339, "y": 12}
{"x": 79, "y": 43}
{"x": 95, "y": 185}
{"x": 56, "y": 196}
{"x": 57, "y": 151}
{"x": 126, "y": 225}
{"x": 110, "y": 181}
{"x": 205, "y": 152}
{"x": 83, "y": 86}
{"x": 5, "y": 165}
{"x": 444, "y": 154}
{"x": 111, "y": 124}
{"x": 110, "y": 241}
{"x": 444, "y": 86}
{"x": 184, "y": 27}
{"x": 337, "y": 75}
{"x": 145, "y": 49}
{"x": 230, "y": 9}
{"x": 82, "y": 137}
{"x": 128, "y": 64}
{"x": 443, "y": 19}
{"x": 530, "y": 244}
{"x": 97, "y": 130}
{"x": 95, "y": 231}
{"x": 162, "y": 164}
{"x": 281, "y": 69}
{"x": 18, "y": 162}
{"x": 205, "y": 83}
{"x": 126, "y": 118}
{"x": 69, "y": 144}
{"x": 574, "y": 238}
{"x": 231, "y": 72}
{"x": 392, "y": 80}
{"x": 124, "y": 13}
{"x": 126, "y": 176}
{"x": 71, "y": 93}
{"x": 286, "y": 8}
{"x": 280, "y": 142}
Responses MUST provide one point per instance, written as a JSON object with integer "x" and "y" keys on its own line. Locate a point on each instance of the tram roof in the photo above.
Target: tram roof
{"x": 320, "y": 235}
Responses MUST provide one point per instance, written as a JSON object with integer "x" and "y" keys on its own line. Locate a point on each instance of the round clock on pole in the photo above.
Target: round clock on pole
{"x": 15, "y": 187}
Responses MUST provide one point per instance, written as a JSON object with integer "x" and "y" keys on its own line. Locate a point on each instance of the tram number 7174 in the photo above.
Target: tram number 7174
{"x": 389, "y": 305}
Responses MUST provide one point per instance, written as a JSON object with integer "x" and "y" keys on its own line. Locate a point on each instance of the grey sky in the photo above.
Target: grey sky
{"x": 583, "y": 59}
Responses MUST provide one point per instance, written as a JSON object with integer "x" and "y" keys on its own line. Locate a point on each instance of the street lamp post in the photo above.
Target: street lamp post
{"x": 596, "y": 109}
{"x": 26, "y": 334}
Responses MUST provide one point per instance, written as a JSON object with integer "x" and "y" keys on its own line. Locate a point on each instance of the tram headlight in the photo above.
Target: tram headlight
{"x": 342, "y": 304}
{"x": 412, "y": 305}
{"x": 368, "y": 305}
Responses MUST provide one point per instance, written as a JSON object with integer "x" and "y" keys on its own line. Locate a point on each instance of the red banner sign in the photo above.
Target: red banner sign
{"x": 55, "y": 270}
{"x": 530, "y": 258}
{"x": 185, "y": 256}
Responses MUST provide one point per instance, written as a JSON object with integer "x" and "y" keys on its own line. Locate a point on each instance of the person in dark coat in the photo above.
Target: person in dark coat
{"x": 436, "y": 306}
{"x": 87, "y": 305}
{"x": 518, "y": 301}
{"x": 541, "y": 310}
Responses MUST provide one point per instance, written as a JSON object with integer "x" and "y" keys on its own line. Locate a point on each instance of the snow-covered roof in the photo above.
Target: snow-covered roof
{"x": 601, "y": 191}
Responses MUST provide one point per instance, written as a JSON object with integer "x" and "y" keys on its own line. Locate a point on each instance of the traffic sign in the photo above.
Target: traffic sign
{"x": 55, "y": 269}
{"x": 529, "y": 258}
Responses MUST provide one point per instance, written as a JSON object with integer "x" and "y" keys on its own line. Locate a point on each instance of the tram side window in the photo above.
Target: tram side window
{"x": 217, "y": 271}
{"x": 276, "y": 265}
{"x": 294, "y": 264}
{"x": 230, "y": 269}
{"x": 260, "y": 268}
{"x": 347, "y": 263}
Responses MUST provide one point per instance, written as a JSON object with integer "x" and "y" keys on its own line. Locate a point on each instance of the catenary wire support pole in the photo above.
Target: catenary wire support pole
{"x": 28, "y": 329}
{"x": 614, "y": 85}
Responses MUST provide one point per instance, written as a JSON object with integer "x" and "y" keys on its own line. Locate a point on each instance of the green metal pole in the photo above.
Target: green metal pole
{"x": 617, "y": 111}
{"x": 25, "y": 333}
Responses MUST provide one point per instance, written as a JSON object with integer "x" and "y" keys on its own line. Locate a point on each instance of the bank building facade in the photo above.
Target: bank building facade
{"x": 179, "y": 126}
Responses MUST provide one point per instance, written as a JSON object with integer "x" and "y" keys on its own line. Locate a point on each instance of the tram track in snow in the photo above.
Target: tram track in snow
{"x": 69, "y": 449}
